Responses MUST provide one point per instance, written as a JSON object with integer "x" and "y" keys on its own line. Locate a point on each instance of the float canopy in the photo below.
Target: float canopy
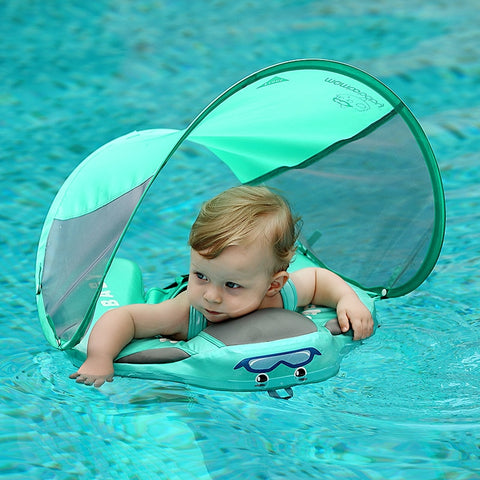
{"x": 348, "y": 154}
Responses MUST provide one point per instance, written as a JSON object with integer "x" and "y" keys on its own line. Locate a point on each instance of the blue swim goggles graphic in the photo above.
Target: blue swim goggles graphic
{"x": 267, "y": 363}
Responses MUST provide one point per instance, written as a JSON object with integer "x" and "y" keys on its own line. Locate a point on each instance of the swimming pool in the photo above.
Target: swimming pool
{"x": 403, "y": 406}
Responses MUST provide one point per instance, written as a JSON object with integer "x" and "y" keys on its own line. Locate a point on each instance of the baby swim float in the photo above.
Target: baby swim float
{"x": 344, "y": 150}
{"x": 270, "y": 349}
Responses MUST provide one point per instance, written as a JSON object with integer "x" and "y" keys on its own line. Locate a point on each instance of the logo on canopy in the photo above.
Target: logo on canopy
{"x": 272, "y": 81}
{"x": 351, "y": 101}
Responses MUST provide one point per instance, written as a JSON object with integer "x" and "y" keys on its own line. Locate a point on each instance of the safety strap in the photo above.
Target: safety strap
{"x": 275, "y": 394}
{"x": 158, "y": 295}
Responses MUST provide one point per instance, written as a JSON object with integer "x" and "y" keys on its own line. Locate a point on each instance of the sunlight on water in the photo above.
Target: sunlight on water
{"x": 404, "y": 404}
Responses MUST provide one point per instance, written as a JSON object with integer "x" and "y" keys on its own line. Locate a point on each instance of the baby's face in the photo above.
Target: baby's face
{"x": 231, "y": 285}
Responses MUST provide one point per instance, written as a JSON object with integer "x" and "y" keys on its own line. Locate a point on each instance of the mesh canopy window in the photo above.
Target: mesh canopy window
{"x": 371, "y": 214}
{"x": 74, "y": 274}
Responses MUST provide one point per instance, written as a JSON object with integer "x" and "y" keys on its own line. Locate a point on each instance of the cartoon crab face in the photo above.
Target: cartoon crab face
{"x": 264, "y": 364}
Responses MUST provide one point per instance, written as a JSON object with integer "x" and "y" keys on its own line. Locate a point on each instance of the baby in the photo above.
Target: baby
{"x": 241, "y": 243}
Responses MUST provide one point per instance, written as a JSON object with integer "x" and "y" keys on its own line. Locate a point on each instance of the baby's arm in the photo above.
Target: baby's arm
{"x": 320, "y": 286}
{"x": 118, "y": 327}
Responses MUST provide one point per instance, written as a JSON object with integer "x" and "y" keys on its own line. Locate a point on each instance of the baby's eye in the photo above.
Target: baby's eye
{"x": 232, "y": 285}
{"x": 200, "y": 276}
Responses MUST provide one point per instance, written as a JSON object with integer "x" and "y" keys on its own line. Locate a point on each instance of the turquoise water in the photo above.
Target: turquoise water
{"x": 78, "y": 74}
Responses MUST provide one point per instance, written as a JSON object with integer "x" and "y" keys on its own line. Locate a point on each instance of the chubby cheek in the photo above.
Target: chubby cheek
{"x": 244, "y": 304}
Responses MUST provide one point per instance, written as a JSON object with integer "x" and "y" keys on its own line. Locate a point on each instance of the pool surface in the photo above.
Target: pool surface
{"x": 75, "y": 75}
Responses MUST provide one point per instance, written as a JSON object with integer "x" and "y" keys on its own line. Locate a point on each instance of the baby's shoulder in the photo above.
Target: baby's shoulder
{"x": 305, "y": 282}
{"x": 174, "y": 315}
{"x": 303, "y": 275}
{"x": 180, "y": 304}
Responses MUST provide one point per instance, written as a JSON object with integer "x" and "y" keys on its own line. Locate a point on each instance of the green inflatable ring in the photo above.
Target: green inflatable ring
{"x": 269, "y": 349}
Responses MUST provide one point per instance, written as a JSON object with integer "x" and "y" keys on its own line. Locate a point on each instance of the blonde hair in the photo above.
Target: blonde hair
{"x": 242, "y": 214}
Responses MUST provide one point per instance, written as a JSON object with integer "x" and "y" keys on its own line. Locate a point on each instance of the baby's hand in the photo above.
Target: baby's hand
{"x": 94, "y": 371}
{"x": 352, "y": 312}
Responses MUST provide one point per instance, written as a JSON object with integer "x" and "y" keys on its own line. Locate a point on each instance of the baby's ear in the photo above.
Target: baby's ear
{"x": 278, "y": 281}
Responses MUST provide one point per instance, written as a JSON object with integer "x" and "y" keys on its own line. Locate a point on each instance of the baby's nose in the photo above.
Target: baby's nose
{"x": 212, "y": 294}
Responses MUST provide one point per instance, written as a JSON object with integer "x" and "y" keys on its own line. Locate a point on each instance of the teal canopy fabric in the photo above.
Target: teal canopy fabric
{"x": 352, "y": 158}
